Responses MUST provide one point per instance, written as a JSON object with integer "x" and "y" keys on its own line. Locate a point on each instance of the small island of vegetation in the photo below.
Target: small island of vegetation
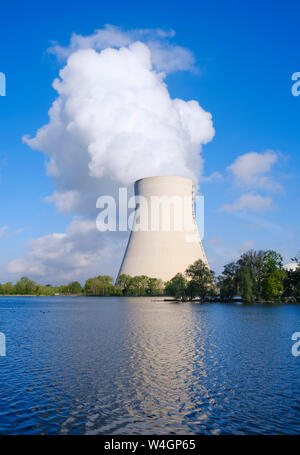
{"x": 257, "y": 276}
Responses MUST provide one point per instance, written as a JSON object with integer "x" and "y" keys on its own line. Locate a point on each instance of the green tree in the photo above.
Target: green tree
{"x": 25, "y": 286}
{"x": 192, "y": 289}
{"x": 260, "y": 275}
{"x": 74, "y": 287}
{"x": 63, "y": 289}
{"x": 291, "y": 285}
{"x": 155, "y": 286}
{"x": 202, "y": 279}
{"x": 245, "y": 284}
{"x": 124, "y": 284}
{"x": 273, "y": 275}
{"x": 227, "y": 282}
{"x": 100, "y": 285}
{"x": 8, "y": 288}
{"x": 139, "y": 285}
{"x": 176, "y": 287}
{"x": 254, "y": 262}
{"x": 45, "y": 290}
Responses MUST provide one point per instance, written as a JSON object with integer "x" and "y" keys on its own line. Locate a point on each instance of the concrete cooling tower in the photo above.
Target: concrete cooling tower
{"x": 164, "y": 239}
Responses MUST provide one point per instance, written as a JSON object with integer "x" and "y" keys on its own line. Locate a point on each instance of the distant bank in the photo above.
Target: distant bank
{"x": 257, "y": 276}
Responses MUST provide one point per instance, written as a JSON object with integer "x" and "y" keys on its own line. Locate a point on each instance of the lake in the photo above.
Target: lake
{"x": 138, "y": 366}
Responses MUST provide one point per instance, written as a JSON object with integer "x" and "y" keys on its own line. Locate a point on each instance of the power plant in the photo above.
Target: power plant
{"x": 164, "y": 239}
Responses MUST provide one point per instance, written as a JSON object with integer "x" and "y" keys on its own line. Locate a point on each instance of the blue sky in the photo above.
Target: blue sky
{"x": 245, "y": 54}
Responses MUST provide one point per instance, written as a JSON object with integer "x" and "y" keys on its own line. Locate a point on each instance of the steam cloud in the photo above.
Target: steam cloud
{"x": 112, "y": 123}
{"x": 115, "y": 122}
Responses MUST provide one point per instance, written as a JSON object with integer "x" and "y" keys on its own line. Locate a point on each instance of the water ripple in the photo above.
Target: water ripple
{"x": 132, "y": 366}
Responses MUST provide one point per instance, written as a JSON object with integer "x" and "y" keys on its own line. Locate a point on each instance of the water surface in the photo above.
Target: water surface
{"x": 136, "y": 366}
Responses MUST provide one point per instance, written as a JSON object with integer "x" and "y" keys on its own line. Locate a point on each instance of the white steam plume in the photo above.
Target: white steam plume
{"x": 114, "y": 121}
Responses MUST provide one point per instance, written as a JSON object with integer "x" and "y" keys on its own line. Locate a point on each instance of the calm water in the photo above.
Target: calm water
{"x": 132, "y": 366}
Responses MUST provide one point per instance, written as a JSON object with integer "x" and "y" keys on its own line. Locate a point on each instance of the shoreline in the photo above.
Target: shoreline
{"x": 158, "y": 299}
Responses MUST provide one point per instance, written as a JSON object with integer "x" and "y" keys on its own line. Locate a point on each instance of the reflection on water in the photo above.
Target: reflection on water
{"x": 134, "y": 366}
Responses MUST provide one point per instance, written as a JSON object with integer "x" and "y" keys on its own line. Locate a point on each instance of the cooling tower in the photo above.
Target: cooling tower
{"x": 164, "y": 239}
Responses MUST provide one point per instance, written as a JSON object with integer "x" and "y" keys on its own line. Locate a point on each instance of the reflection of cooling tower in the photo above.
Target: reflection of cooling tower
{"x": 165, "y": 238}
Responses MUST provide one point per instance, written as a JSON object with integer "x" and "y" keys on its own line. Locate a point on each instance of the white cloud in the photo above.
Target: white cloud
{"x": 78, "y": 253}
{"x": 253, "y": 202}
{"x": 3, "y": 229}
{"x": 115, "y": 122}
{"x": 165, "y": 57}
{"x": 214, "y": 176}
{"x": 64, "y": 200}
{"x": 169, "y": 58}
{"x": 251, "y": 170}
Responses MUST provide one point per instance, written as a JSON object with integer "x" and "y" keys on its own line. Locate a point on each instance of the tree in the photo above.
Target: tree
{"x": 273, "y": 285}
{"x": 63, "y": 289}
{"x": 25, "y": 286}
{"x": 155, "y": 286}
{"x": 273, "y": 275}
{"x": 74, "y": 287}
{"x": 139, "y": 284}
{"x": 99, "y": 285}
{"x": 124, "y": 283}
{"x": 45, "y": 290}
{"x": 20, "y": 288}
{"x": 260, "y": 275}
{"x": 291, "y": 285}
{"x": 291, "y": 282}
{"x": 227, "y": 282}
{"x": 253, "y": 261}
{"x": 176, "y": 287}
{"x": 202, "y": 279}
{"x": 245, "y": 284}
{"x": 192, "y": 289}
{"x": 8, "y": 288}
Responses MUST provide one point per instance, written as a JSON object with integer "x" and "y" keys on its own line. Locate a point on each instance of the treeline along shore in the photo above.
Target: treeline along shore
{"x": 257, "y": 276}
